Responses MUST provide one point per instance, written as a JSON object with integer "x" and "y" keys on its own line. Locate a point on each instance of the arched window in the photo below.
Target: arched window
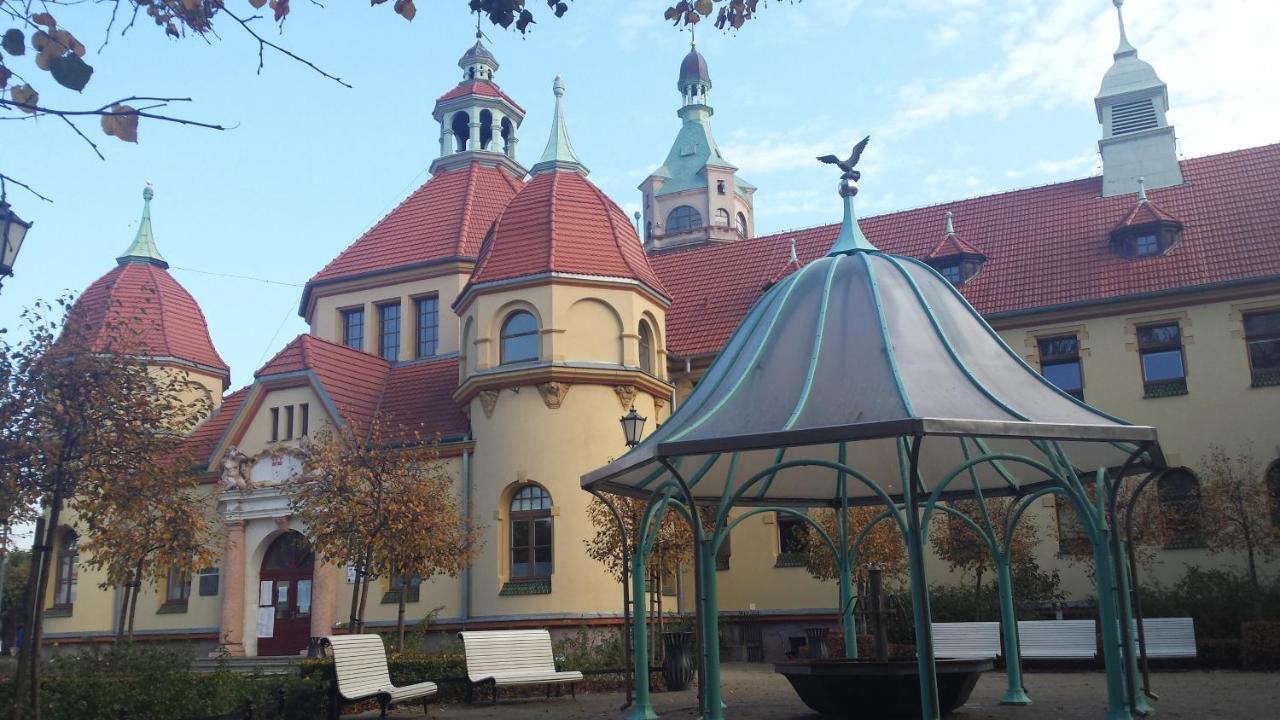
{"x": 64, "y": 589}
{"x": 646, "y": 347}
{"x": 722, "y": 217}
{"x": 1273, "y": 492}
{"x": 486, "y": 129}
{"x": 531, "y": 533}
{"x": 508, "y": 134}
{"x": 683, "y": 218}
{"x": 519, "y": 337}
{"x": 1179, "y": 493}
{"x": 461, "y": 125}
{"x": 742, "y": 224}
{"x": 177, "y": 587}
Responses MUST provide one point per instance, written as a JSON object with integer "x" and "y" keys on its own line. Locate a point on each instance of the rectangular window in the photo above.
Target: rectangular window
{"x": 353, "y": 328}
{"x": 791, "y": 532}
{"x": 1160, "y": 349}
{"x": 306, "y": 419}
{"x": 209, "y": 582}
{"x": 288, "y": 422}
{"x": 951, "y": 273}
{"x": 1060, "y": 364}
{"x": 1262, "y": 337}
{"x": 178, "y": 586}
{"x": 389, "y": 331}
{"x": 427, "y": 312}
{"x": 275, "y": 424}
{"x": 1146, "y": 245}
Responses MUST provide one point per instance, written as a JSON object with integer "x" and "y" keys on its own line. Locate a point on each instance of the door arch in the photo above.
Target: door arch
{"x": 288, "y": 565}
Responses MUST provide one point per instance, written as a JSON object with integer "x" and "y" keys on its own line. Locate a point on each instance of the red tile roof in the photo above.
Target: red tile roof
{"x": 1145, "y": 213}
{"x": 951, "y": 246}
{"x": 353, "y": 380}
{"x": 1046, "y": 246}
{"x": 447, "y": 217}
{"x": 201, "y": 442}
{"x": 158, "y": 316}
{"x": 477, "y": 87}
{"x": 418, "y": 397}
{"x": 561, "y": 222}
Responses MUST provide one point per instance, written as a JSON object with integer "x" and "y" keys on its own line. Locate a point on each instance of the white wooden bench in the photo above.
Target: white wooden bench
{"x": 966, "y": 640}
{"x": 360, "y": 668}
{"x": 1057, "y": 639}
{"x": 1168, "y": 637}
{"x": 506, "y": 658}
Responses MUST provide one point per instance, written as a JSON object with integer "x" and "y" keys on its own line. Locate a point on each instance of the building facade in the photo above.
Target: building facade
{"x": 516, "y": 314}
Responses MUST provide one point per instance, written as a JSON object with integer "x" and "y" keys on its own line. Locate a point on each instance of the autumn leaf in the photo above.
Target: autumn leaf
{"x": 71, "y": 72}
{"x": 45, "y": 19}
{"x": 25, "y": 95}
{"x": 121, "y": 122}
{"x": 4, "y": 81}
{"x": 14, "y": 42}
{"x": 257, "y": 4}
{"x": 406, "y": 9}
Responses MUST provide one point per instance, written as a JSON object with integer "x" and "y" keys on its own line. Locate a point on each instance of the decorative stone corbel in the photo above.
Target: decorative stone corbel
{"x": 626, "y": 395}
{"x": 488, "y": 401}
{"x": 553, "y": 393}
{"x": 658, "y": 404}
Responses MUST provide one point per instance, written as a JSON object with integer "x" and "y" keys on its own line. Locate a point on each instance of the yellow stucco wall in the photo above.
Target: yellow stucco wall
{"x": 326, "y": 317}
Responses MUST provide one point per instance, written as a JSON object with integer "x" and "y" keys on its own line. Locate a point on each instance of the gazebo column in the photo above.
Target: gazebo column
{"x": 643, "y": 708}
{"x": 1014, "y": 694}
{"x": 709, "y": 614}
{"x": 1117, "y": 708}
{"x": 1125, "y": 601}
{"x": 920, "y": 592}
{"x": 844, "y": 561}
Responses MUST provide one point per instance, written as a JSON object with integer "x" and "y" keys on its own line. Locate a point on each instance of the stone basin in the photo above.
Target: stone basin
{"x": 869, "y": 689}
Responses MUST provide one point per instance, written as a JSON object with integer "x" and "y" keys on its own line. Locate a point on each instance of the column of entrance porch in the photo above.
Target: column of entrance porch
{"x": 231, "y": 632}
{"x": 324, "y": 597}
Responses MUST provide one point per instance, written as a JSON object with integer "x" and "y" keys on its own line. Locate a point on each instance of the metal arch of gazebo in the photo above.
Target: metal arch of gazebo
{"x": 903, "y": 382}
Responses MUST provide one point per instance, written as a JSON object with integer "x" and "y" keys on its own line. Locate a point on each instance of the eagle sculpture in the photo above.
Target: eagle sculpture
{"x": 847, "y": 165}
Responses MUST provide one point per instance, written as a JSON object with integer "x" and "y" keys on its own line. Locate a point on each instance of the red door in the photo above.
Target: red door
{"x": 284, "y": 602}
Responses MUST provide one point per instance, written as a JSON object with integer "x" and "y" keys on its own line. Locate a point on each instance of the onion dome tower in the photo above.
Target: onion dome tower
{"x": 562, "y": 328}
{"x": 1137, "y": 139}
{"x": 163, "y": 325}
{"x": 696, "y": 195}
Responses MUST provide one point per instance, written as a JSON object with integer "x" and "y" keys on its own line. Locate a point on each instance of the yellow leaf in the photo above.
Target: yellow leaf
{"x": 121, "y": 123}
{"x": 25, "y": 95}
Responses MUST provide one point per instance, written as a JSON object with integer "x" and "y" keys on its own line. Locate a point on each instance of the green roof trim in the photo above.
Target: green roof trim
{"x": 850, "y": 238}
{"x": 144, "y": 247}
{"x": 559, "y": 154}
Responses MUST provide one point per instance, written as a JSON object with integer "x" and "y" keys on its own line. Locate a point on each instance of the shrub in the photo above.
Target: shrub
{"x": 1260, "y": 645}
{"x": 1218, "y": 600}
{"x": 1219, "y": 654}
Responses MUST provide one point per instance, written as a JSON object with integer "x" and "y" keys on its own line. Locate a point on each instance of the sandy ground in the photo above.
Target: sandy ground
{"x": 755, "y": 692}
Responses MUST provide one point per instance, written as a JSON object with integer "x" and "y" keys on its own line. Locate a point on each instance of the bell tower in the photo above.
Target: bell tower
{"x": 478, "y": 121}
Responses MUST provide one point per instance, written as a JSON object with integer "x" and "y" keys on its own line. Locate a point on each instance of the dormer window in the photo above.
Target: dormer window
{"x": 1146, "y": 230}
{"x": 1147, "y": 244}
{"x": 955, "y": 259}
{"x": 951, "y": 272}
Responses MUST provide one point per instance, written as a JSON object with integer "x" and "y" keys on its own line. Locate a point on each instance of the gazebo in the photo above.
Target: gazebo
{"x": 865, "y": 378}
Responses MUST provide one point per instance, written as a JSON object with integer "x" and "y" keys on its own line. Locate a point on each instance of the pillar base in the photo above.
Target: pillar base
{"x": 1143, "y": 706}
{"x": 642, "y": 711}
{"x": 1015, "y": 696}
{"x": 228, "y": 650}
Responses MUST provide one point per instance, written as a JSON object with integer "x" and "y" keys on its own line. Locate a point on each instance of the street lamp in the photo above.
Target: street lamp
{"x": 13, "y": 230}
{"x": 632, "y": 426}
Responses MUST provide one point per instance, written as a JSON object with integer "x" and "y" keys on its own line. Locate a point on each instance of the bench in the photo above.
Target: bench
{"x": 360, "y": 669}
{"x": 1057, "y": 639}
{"x": 1168, "y": 637}
{"x": 506, "y": 658}
{"x": 966, "y": 640}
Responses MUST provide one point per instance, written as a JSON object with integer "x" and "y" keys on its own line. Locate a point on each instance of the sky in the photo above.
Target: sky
{"x": 961, "y": 98}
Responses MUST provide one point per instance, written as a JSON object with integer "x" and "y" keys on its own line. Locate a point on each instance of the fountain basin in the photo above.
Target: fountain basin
{"x": 871, "y": 689}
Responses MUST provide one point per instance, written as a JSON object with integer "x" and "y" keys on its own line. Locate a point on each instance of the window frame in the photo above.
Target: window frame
{"x": 742, "y": 223}
{"x": 504, "y": 335}
{"x": 723, "y": 218}
{"x": 275, "y": 424}
{"x": 177, "y": 587}
{"x": 645, "y": 344}
{"x": 288, "y": 422}
{"x": 348, "y": 327}
{"x": 67, "y": 572}
{"x": 1261, "y": 377}
{"x": 532, "y": 517}
{"x": 1048, "y": 360}
{"x": 1165, "y": 386}
{"x": 384, "y": 309}
{"x": 688, "y": 221}
{"x": 789, "y": 521}
{"x": 212, "y": 574}
{"x": 305, "y": 420}
{"x": 426, "y": 337}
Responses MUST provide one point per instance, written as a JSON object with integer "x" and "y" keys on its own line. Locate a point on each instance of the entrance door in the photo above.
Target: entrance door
{"x": 284, "y": 596}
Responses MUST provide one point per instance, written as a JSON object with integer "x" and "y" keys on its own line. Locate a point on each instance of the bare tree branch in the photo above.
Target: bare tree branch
{"x": 84, "y": 137}
{"x": 6, "y": 179}
{"x": 262, "y": 44}
{"x": 106, "y": 110}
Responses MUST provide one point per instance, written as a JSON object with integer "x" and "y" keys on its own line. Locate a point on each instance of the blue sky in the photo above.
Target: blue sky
{"x": 962, "y": 97}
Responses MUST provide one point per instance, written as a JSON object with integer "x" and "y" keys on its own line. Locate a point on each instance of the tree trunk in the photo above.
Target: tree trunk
{"x": 1257, "y": 585}
{"x": 28, "y": 614}
{"x": 37, "y": 617}
{"x": 355, "y": 599}
{"x": 977, "y": 594}
{"x": 127, "y": 589}
{"x": 404, "y": 590}
{"x": 133, "y": 600}
{"x": 364, "y": 597}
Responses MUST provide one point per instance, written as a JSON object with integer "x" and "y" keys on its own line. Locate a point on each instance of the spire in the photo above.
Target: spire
{"x": 850, "y": 239}
{"x": 559, "y": 154}
{"x": 792, "y": 258}
{"x": 144, "y": 247}
{"x": 951, "y": 228}
{"x": 1124, "y": 49}
{"x": 1142, "y": 190}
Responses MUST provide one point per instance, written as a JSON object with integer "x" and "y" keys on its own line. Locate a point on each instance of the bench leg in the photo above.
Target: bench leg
{"x": 573, "y": 690}
{"x": 383, "y": 702}
{"x": 469, "y": 692}
{"x": 335, "y": 700}
{"x": 493, "y": 687}
{"x": 426, "y": 712}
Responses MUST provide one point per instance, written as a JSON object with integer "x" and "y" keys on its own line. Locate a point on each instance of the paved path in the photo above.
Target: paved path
{"x": 755, "y": 692}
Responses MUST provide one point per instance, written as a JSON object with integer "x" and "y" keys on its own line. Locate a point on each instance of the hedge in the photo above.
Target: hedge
{"x": 1260, "y": 645}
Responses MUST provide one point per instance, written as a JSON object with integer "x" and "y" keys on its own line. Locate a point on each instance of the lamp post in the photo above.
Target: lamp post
{"x": 632, "y": 426}
{"x": 13, "y": 230}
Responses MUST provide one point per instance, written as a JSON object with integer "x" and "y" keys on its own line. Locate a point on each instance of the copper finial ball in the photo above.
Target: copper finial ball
{"x": 848, "y": 187}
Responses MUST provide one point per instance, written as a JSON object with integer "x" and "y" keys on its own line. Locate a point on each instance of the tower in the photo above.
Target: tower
{"x": 696, "y": 195}
{"x": 1137, "y": 139}
{"x": 478, "y": 122}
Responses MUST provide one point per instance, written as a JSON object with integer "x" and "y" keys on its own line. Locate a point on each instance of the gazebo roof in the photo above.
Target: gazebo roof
{"x": 842, "y": 360}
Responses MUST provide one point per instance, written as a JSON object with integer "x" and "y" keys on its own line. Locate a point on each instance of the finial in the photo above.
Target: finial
{"x": 850, "y": 238}
{"x": 951, "y": 230}
{"x": 1142, "y": 190}
{"x": 1125, "y": 48}
{"x": 793, "y": 258}
{"x": 637, "y": 217}
{"x": 478, "y": 33}
{"x": 559, "y": 152}
{"x": 143, "y": 249}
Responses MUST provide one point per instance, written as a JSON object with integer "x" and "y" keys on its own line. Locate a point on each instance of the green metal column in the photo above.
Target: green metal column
{"x": 846, "y": 604}
{"x": 1117, "y": 708}
{"x": 1014, "y": 694}
{"x": 710, "y": 614}
{"x": 920, "y": 600}
{"x": 1126, "y": 616}
{"x": 643, "y": 708}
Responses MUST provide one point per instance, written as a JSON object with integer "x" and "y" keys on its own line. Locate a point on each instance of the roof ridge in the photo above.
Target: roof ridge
{"x": 551, "y": 219}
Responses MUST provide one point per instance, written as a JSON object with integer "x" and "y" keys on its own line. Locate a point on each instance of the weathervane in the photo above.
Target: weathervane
{"x": 849, "y": 180}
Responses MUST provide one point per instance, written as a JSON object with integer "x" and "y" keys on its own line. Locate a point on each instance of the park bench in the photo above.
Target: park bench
{"x": 360, "y": 670}
{"x": 507, "y": 658}
{"x": 1057, "y": 639}
{"x": 966, "y": 640}
{"x": 1169, "y": 637}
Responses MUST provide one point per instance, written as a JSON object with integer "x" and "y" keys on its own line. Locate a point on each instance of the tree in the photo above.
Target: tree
{"x": 17, "y": 567}
{"x": 962, "y": 549}
{"x": 1238, "y": 510}
{"x": 384, "y": 502}
{"x": 55, "y": 48}
{"x": 93, "y": 414}
{"x": 883, "y": 545}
